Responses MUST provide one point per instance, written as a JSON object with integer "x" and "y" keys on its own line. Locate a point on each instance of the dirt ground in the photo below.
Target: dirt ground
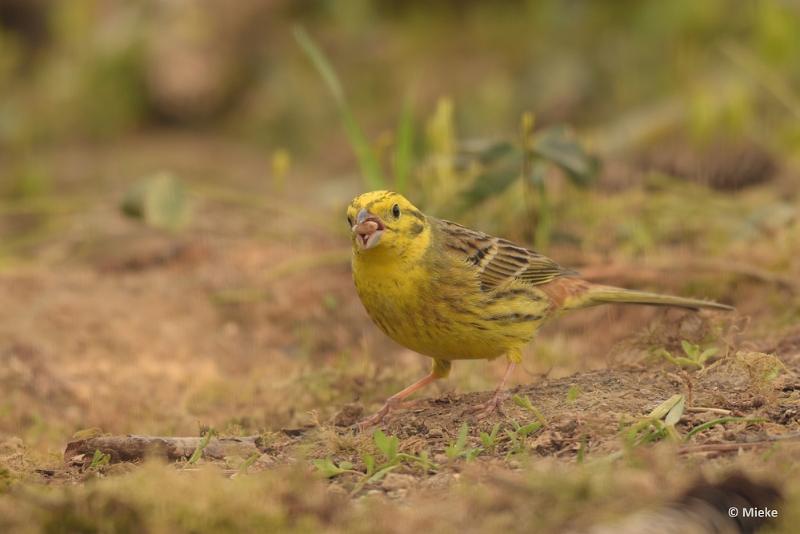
{"x": 248, "y": 323}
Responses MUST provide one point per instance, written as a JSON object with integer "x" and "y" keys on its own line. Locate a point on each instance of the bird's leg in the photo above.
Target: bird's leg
{"x": 395, "y": 400}
{"x": 492, "y": 405}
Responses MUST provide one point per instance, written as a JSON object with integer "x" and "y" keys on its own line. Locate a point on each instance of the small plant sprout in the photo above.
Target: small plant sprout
{"x": 658, "y": 424}
{"x": 99, "y": 459}
{"x": 389, "y": 448}
{"x": 204, "y": 441}
{"x": 247, "y": 463}
{"x": 525, "y": 402}
{"x": 329, "y": 469}
{"x": 582, "y": 450}
{"x": 695, "y": 357}
{"x": 489, "y": 441}
{"x": 459, "y": 448}
{"x": 517, "y": 436}
{"x": 573, "y": 393}
{"x": 387, "y": 445}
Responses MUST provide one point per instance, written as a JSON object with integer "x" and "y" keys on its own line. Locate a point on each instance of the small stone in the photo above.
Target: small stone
{"x": 435, "y": 433}
{"x": 569, "y": 427}
{"x": 396, "y": 481}
{"x": 336, "y": 489}
{"x": 349, "y": 415}
{"x": 265, "y": 460}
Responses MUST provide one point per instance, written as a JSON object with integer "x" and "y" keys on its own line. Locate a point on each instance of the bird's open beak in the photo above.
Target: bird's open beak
{"x": 368, "y": 229}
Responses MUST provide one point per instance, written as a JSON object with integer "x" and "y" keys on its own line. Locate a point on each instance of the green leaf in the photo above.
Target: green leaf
{"x": 492, "y": 152}
{"x": 708, "y": 353}
{"x": 573, "y": 393}
{"x": 557, "y": 145}
{"x": 491, "y": 183}
{"x": 676, "y": 412}
{"x": 99, "y": 459}
{"x": 687, "y": 362}
{"x": 160, "y": 201}
{"x": 381, "y": 473}
{"x": 245, "y": 465}
{"x": 690, "y": 349}
{"x": 386, "y": 444}
{"x": 327, "y": 468}
{"x": 529, "y": 429}
{"x": 201, "y": 446}
{"x": 456, "y": 449}
{"x": 660, "y": 411}
{"x": 488, "y": 440}
{"x": 369, "y": 463}
{"x": 523, "y": 402}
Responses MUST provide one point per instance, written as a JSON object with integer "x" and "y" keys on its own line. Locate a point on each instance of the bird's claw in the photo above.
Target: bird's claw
{"x": 490, "y": 407}
{"x": 378, "y": 416}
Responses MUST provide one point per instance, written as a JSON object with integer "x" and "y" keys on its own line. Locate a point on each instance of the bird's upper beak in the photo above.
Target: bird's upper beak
{"x": 368, "y": 229}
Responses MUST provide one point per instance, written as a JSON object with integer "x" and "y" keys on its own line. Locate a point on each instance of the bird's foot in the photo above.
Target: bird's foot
{"x": 490, "y": 407}
{"x": 390, "y": 405}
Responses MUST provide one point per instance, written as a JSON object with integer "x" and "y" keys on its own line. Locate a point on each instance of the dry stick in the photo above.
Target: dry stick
{"x": 129, "y": 448}
{"x": 710, "y": 410}
{"x": 726, "y": 447}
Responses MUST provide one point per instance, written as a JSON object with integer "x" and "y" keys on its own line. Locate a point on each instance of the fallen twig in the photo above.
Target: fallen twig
{"x": 130, "y": 448}
{"x": 728, "y": 447}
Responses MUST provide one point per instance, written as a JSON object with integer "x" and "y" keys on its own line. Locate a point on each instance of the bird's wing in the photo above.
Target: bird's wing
{"x": 498, "y": 260}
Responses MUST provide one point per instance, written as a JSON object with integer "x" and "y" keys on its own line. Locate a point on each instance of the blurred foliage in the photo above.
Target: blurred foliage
{"x": 160, "y": 201}
{"x": 439, "y": 91}
{"x": 586, "y": 63}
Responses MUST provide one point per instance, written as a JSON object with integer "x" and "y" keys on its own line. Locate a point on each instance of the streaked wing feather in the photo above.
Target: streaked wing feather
{"x": 499, "y": 261}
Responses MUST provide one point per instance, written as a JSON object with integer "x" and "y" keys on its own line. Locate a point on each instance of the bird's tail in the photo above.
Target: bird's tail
{"x": 595, "y": 294}
{"x": 599, "y": 294}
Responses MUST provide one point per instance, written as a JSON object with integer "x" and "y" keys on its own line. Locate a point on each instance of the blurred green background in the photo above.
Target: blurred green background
{"x": 587, "y": 127}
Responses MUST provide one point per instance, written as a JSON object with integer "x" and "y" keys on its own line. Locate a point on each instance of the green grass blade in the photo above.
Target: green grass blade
{"x": 404, "y": 147}
{"x": 722, "y": 421}
{"x": 367, "y": 160}
{"x": 321, "y": 63}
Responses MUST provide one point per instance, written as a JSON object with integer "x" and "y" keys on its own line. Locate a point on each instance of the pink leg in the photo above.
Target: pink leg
{"x": 395, "y": 400}
{"x": 489, "y": 407}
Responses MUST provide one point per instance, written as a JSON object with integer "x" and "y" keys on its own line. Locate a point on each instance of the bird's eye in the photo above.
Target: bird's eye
{"x": 349, "y": 221}
{"x": 396, "y": 211}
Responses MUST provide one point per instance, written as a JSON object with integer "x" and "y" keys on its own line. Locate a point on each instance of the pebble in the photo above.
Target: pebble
{"x": 435, "y": 433}
{"x": 396, "y": 481}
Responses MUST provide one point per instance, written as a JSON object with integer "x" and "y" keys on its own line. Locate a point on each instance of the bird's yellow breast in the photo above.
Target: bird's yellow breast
{"x": 437, "y": 308}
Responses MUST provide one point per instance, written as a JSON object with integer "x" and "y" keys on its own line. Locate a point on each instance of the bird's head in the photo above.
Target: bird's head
{"x": 386, "y": 221}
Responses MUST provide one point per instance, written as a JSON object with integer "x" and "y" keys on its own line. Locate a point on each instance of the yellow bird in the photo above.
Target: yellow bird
{"x": 452, "y": 293}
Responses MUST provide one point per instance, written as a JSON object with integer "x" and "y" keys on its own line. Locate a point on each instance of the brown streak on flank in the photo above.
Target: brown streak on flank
{"x": 560, "y": 289}
{"x": 514, "y": 317}
{"x": 516, "y": 292}
{"x": 456, "y": 307}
